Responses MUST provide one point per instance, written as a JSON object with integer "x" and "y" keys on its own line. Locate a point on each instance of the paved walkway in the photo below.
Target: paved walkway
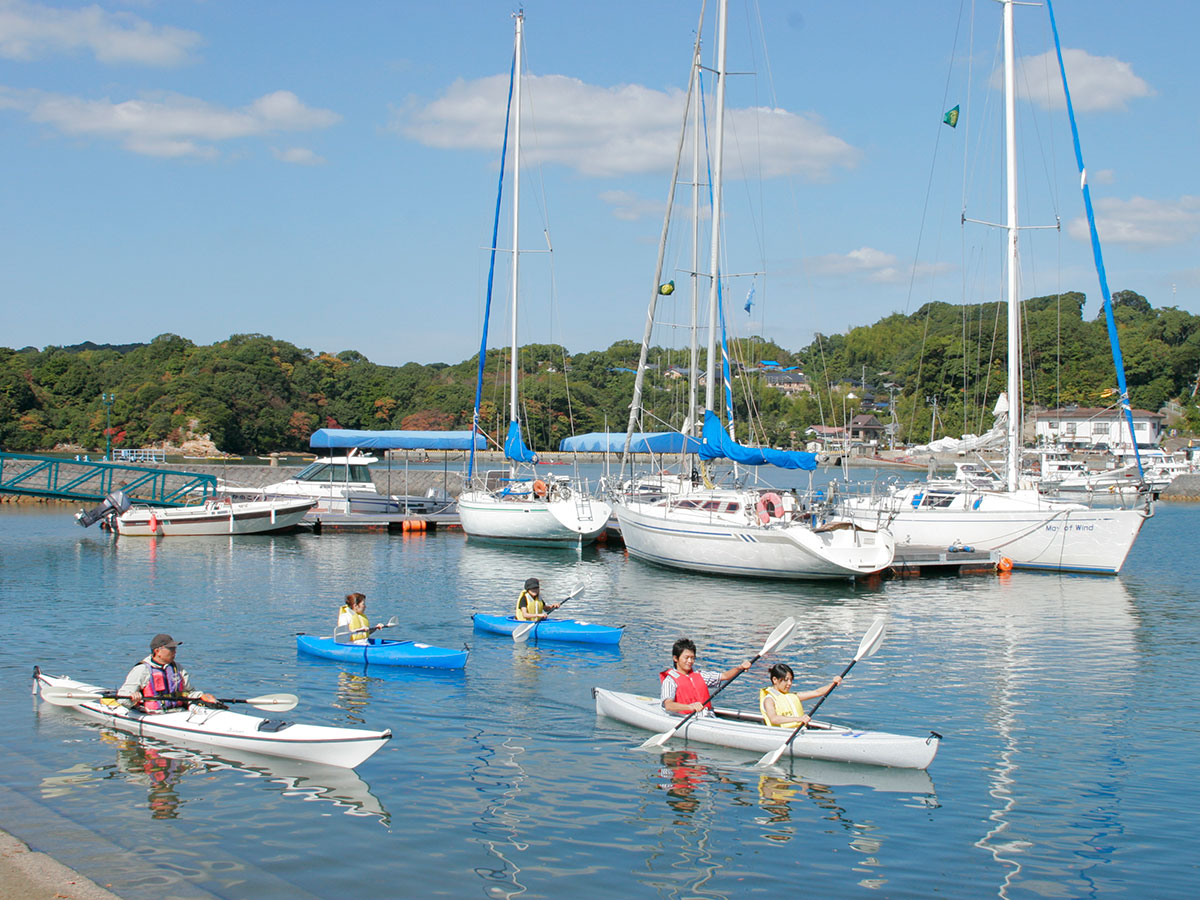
{"x": 28, "y": 875}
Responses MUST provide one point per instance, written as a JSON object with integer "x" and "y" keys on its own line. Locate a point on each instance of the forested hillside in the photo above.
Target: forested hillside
{"x": 255, "y": 394}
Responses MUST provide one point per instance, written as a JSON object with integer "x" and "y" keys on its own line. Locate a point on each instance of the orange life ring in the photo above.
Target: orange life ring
{"x": 539, "y": 488}
{"x": 769, "y": 506}
{"x": 1005, "y": 564}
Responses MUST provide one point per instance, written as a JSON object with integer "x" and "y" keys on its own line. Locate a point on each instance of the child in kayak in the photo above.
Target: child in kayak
{"x": 684, "y": 689}
{"x": 353, "y": 616}
{"x": 779, "y": 706}
{"x": 158, "y": 675}
{"x": 530, "y": 607}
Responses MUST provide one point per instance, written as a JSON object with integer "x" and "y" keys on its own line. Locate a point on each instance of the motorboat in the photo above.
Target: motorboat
{"x": 219, "y": 516}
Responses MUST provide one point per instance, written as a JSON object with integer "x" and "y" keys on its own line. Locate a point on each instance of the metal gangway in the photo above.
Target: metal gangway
{"x": 56, "y": 478}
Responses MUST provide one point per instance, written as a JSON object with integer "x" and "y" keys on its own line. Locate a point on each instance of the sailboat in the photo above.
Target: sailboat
{"x": 1017, "y": 521}
{"x": 692, "y": 524}
{"x": 516, "y": 505}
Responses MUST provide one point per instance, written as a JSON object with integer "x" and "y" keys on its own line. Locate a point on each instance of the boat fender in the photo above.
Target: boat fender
{"x": 769, "y": 506}
{"x": 1005, "y": 564}
{"x": 539, "y": 488}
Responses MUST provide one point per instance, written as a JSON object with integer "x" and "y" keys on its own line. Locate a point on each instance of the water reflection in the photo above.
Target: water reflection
{"x": 163, "y": 770}
{"x": 499, "y": 824}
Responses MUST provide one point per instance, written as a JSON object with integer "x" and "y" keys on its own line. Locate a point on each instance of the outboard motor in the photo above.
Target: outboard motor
{"x": 112, "y": 505}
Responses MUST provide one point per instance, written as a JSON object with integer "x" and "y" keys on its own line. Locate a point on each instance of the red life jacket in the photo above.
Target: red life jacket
{"x": 688, "y": 688}
{"x": 163, "y": 680}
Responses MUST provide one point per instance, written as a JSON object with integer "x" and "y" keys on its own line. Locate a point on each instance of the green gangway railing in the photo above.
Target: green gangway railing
{"x": 56, "y": 478}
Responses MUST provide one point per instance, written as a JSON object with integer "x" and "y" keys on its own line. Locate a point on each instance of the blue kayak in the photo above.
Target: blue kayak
{"x": 383, "y": 652}
{"x": 551, "y": 629}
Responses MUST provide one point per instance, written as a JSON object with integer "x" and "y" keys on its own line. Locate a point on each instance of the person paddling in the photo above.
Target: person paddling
{"x": 684, "y": 689}
{"x": 530, "y": 607}
{"x": 158, "y": 675}
{"x": 353, "y": 616}
{"x": 779, "y": 706}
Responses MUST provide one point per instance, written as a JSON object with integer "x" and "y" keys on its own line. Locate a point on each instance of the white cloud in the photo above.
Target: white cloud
{"x": 1142, "y": 222}
{"x": 168, "y": 125}
{"x": 871, "y": 264}
{"x": 1097, "y": 82}
{"x": 629, "y": 207}
{"x": 622, "y": 130}
{"x": 300, "y": 156}
{"x": 30, "y": 31}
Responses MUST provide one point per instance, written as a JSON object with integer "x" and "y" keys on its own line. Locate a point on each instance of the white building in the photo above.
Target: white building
{"x": 1084, "y": 427}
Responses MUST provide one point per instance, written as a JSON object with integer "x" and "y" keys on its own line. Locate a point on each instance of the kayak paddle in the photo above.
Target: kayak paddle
{"x": 342, "y": 634}
{"x": 521, "y": 634}
{"x": 780, "y": 636}
{"x": 870, "y": 643}
{"x": 65, "y": 696}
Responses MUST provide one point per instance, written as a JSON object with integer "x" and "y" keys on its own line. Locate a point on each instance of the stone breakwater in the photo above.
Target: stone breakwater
{"x": 1184, "y": 487}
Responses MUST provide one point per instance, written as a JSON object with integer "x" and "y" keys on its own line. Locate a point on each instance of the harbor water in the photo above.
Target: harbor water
{"x": 1067, "y": 706}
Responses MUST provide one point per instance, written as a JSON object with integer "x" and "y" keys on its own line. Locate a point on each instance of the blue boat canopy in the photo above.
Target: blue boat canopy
{"x": 514, "y": 445}
{"x": 346, "y": 438}
{"x": 640, "y": 442}
{"x": 719, "y": 445}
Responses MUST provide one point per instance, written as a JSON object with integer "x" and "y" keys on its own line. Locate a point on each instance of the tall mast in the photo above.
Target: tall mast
{"x": 1014, "y": 297}
{"x": 715, "y": 255}
{"x": 694, "y": 347}
{"x": 516, "y": 208}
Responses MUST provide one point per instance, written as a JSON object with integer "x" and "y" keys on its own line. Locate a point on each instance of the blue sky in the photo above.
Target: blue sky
{"x": 325, "y": 172}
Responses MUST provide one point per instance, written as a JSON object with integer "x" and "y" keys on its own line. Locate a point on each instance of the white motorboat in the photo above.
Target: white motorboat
{"x": 519, "y": 506}
{"x": 343, "y": 485}
{"x": 1017, "y": 521}
{"x": 220, "y": 516}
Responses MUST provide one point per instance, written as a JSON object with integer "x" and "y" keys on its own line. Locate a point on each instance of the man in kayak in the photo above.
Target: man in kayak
{"x": 354, "y": 617}
{"x": 779, "y": 706}
{"x": 158, "y": 675}
{"x": 685, "y": 689}
{"x": 530, "y": 607}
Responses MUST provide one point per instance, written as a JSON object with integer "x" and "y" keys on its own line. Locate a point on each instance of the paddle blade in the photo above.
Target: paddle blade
{"x": 521, "y": 633}
{"x": 780, "y": 636}
{"x": 871, "y": 640}
{"x": 575, "y": 593}
{"x": 65, "y": 696}
{"x": 769, "y": 759}
{"x": 392, "y": 622}
{"x": 274, "y": 702}
{"x": 656, "y": 741}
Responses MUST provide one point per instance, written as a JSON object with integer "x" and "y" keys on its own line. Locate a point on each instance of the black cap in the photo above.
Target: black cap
{"x": 163, "y": 640}
{"x": 532, "y": 584}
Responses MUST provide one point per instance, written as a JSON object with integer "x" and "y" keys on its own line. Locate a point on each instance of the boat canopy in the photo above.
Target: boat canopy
{"x": 345, "y": 438}
{"x": 719, "y": 445}
{"x": 640, "y": 442}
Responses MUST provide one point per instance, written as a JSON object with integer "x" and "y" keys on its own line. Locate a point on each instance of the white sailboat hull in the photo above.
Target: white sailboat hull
{"x": 215, "y": 517}
{"x": 1030, "y": 530}
{"x": 781, "y": 549}
{"x": 529, "y": 520}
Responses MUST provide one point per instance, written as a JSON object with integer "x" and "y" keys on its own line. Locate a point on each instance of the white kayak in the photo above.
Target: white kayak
{"x": 746, "y": 731}
{"x": 207, "y": 727}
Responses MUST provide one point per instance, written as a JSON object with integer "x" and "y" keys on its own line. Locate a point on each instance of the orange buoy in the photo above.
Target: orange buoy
{"x": 1005, "y": 564}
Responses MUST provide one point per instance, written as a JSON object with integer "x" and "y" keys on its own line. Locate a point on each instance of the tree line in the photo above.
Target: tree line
{"x": 254, "y": 393}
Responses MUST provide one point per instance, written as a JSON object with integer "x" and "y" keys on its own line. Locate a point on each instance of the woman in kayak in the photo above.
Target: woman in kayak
{"x": 684, "y": 689}
{"x": 782, "y": 708}
{"x": 530, "y": 607}
{"x": 354, "y": 617}
{"x": 158, "y": 675}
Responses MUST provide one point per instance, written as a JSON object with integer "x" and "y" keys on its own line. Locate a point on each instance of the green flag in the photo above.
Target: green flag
{"x": 951, "y": 118}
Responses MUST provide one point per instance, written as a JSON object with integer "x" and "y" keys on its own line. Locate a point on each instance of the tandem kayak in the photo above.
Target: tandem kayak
{"x": 746, "y": 731}
{"x": 551, "y": 629}
{"x": 205, "y": 726}
{"x": 381, "y": 652}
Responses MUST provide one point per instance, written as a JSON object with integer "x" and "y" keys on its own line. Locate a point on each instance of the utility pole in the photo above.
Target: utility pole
{"x": 107, "y": 400}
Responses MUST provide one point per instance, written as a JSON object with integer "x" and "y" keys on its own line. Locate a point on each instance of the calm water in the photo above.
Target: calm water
{"x": 1068, "y": 706}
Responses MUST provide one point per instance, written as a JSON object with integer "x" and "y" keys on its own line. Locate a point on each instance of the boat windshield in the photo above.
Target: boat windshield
{"x": 326, "y": 472}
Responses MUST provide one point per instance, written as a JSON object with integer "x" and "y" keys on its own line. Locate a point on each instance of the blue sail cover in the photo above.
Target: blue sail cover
{"x": 719, "y": 445}
{"x": 639, "y": 442}
{"x": 348, "y": 438}
{"x": 514, "y": 445}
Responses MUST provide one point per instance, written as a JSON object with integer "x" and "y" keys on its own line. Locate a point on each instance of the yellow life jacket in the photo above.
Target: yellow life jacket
{"x": 534, "y": 607}
{"x": 785, "y": 705}
{"x": 358, "y": 624}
